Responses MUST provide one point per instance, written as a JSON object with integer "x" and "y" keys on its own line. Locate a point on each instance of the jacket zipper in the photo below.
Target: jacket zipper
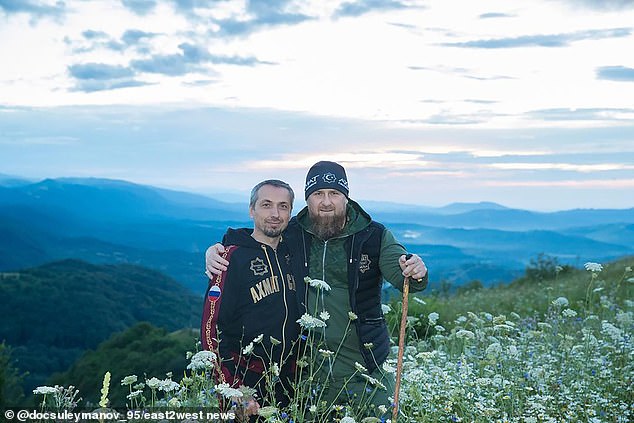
{"x": 283, "y": 282}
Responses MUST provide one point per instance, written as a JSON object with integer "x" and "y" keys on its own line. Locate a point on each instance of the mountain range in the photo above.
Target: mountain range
{"x": 112, "y": 221}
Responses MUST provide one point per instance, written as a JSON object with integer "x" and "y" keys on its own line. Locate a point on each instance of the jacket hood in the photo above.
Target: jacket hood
{"x": 357, "y": 219}
{"x": 240, "y": 237}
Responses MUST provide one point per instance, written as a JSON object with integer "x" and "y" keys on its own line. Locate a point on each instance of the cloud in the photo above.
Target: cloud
{"x": 582, "y": 114}
{"x": 193, "y": 59}
{"x": 615, "y": 73}
{"x": 465, "y": 73}
{"x": 361, "y": 7}
{"x": 166, "y": 64}
{"x": 133, "y": 36}
{"x": 494, "y": 15}
{"x": 264, "y": 14}
{"x": 570, "y": 167}
{"x": 602, "y": 4}
{"x": 94, "y": 40}
{"x": 33, "y": 7}
{"x": 449, "y": 118}
{"x": 90, "y": 34}
{"x": 105, "y": 85}
{"x": 99, "y": 71}
{"x": 479, "y": 101}
{"x": 99, "y": 77}
{"x": 140, "y": 7}
{"x": 545, "y": 40}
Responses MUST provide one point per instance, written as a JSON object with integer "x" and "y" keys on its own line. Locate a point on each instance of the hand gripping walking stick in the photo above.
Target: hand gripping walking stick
{"x": 401, "y": 345}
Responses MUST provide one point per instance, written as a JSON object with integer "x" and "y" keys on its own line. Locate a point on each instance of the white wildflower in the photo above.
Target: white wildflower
{"x": 494, "y": 350}
{"x": 319, "y": 284}
{"x": 433, "y": 318}
{"x": 326, "y": 353}
{"x": 275, "y": 369}
{"x": 385, "y": 308}
{"x": 465, "y": 334}
{"x": 382, "y": 409}
{"x": 168, "y": 385}
{"x": 628, "y": 269}
{"x": 312, "y": 409}
{"x": 439, "y": 328}
{"x": 593, "y": 267}
{"x": 227, "y": 391}
{"x": 268, "y": 411}
{"x": 560, "y": 302}
{"x": 258, "y": 338}
{"x": 352, "y": 316}
{"x": 512, "y": 350}
{"x": 569, "y": 313}
{"x": 202, "y": 360}
{"x": 612, "y": 331}
{"x": 154, "y": 383}
{"x": 388, "y": 368}
{"x": 419, "y": 300}
{"x": 134, "y": 394}
{"x": 360, "y": 367}
{"x": 174, "y": 402}
{"x": 373, "y": 381}
{"x": 347, "y": 419}
{"x": 368, "y": 345}
{"x": 274, "y": 341}
{"x": 309, "y": 322}
{"x": 129, "y": 380}
{"x": 44, "y": 390}
{"x": 248, "y": 349}
{"x": 630, "y": 279}
{"x": 324, "y": 315}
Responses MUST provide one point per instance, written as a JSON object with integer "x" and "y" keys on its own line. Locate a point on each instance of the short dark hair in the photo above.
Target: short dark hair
{"x": 274, "y": 183}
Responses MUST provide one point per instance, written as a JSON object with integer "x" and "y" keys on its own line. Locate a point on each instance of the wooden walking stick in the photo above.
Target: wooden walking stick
{"x": 401, "y": 345}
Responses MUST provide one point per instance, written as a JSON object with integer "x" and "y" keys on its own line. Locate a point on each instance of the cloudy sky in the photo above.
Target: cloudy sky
{"x": 526, "y": 103}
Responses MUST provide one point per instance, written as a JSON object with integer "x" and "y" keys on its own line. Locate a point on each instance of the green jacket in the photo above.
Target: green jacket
{"x": 354, "y": 266}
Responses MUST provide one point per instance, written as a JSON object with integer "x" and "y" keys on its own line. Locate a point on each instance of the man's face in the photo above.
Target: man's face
{"x": 271, "y": 211}
{"x": 327, "y": 211}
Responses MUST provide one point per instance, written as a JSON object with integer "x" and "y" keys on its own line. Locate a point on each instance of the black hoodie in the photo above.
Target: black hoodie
{"x": 255, "y": 296}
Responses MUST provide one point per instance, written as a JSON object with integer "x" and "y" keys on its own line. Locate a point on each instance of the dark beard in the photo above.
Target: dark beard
{"x": 272, "y": 233}
{"x": 327, "y": 227}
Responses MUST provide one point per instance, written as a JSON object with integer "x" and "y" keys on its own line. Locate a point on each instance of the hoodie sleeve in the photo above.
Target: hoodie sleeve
{"x": 217, "y": 305}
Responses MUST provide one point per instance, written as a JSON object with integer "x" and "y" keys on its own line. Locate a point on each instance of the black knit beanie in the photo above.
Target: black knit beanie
{"x": 326, "y": 175}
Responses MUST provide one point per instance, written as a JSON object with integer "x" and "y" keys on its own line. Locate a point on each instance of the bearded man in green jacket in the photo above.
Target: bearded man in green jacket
{"x": 335, "y": 241}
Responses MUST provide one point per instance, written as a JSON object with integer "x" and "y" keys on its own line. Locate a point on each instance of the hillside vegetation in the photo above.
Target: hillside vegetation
{"x": 53, "y": 313}
{"x": 141, "y": 350}
{"x": 531, "y": 295}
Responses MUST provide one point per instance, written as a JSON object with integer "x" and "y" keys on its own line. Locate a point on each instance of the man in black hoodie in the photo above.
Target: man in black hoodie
{"x": 251, "y": 309}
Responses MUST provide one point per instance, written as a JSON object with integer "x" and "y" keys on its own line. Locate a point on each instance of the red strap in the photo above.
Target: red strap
{"x": 211, "y": 311}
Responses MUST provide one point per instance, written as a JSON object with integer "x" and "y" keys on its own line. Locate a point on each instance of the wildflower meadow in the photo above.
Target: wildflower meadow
{"x": 557, "y": 350}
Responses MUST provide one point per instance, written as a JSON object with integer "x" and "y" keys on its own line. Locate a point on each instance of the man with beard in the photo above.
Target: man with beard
{"x": 251, "y": 308}
{"x": 335, "y": 241}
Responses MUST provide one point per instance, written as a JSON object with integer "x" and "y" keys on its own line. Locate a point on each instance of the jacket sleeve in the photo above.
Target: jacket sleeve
{"x": 391, "y": 250}
{"x": 218, "y": 303}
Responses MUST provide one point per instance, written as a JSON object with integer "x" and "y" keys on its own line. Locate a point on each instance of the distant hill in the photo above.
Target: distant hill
{"x": 52, "y": 313}
{"x": 111, "y": 221}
